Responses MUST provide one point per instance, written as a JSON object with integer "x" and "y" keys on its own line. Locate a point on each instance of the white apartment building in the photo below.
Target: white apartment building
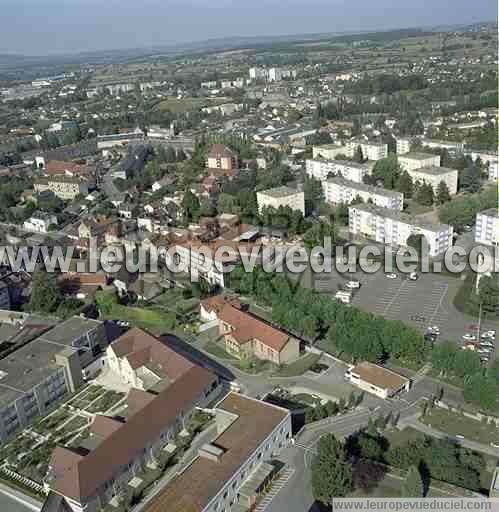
{"x": 340, "y": 190}
{"x": 353, "y": 171}
{"x": 258, "y": 73}
{"x": 490, "y": 158}
{"x": 393, "y": 228}
{"x": 281, "y": 196}
{"x": 40, "y": 222}
{"x": 370, "y": 150}
{"x": 411, "y": 161}
{"x": 328, "y": 151}
{"x": 449, "y": 145}
{"x": 278, "y": 74}
{"x": 487, "y": 227}
{"x": 403, "y": 145}
{"x": 434, "y": 175}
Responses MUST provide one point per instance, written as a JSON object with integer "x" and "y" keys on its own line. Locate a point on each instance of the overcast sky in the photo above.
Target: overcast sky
{"x": 39, "y": 27}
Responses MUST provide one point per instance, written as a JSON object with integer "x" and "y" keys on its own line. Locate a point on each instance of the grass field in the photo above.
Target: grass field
{"x": 298, "y": 367}
{"x": 182, "y": 105}
{"x": 455, "y": 424}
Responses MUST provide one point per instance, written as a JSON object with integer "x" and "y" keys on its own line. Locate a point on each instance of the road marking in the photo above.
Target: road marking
{"x": 394, "y": 297}
{"x": 444, "y": 293}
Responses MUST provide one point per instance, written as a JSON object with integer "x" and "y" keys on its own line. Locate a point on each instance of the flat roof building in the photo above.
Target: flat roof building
{"x": 434, "y": 175}
{"x": 393, "y": 228}
{"x": 413, "y": 160}
{"x": 487, "y": 227}
{"x": 339, "y": 190}
{"x": 250, "y": 434}
{"x": 377, "y": 380}
{"x": 281, "y": 196}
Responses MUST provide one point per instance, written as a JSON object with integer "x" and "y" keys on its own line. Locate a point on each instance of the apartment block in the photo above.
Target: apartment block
{"x": 435, "y": 175}
{"x": 339, "y": 190}
{"x": 393, "y": 228}
{"x": 487, "y": 227}
{"x": 403, "y": 145}
{"x": 328, "y": 151}
{"x": 41, "y": 372}
{"x": 91, "y": 477}
{"x": 412, "y": 161}
{"x": 66, "y": 188}
{"x": 449, "y": 145}
{"x": 231, "y": 472}
{"x": 281, "y": 196}
{"x": 320, "y": 169}
{"x": 221, "y": 158}
{"x": 370, "y": 150}
{"x": 40, "y": 222}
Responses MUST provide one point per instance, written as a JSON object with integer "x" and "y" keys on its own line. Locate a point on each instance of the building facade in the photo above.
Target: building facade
{"x": 281, "y": 196}
{"x": 412, "y": 161}
{"x": 66, "y": 188}
{"x": 320, "y": 169}
{"x": 340, "y": 190}
{"x": 393, "y": 228}
{"x": 328, "y": 151}
{"x": 370, "y": 150}
{"x": 434, "y": 176}
{"x": 487, "y": 227}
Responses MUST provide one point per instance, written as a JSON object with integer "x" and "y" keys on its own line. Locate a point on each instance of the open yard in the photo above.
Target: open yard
{"x": 298, "y": 367}
{"x": 154, "y": 320}
{"x": 181, "y": 105}
{"x": 456, "y": 424}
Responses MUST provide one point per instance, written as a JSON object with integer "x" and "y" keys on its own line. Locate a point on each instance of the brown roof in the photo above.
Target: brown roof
{"x": 137, "y": 400}
{"x": 79, "y": 477}
{"x": 246, "y": 327}
{"x": 54, "y": 167}
{"x": 193, "y": 489}
{"x": 220, "y": 151}
{"x": 104, "y": 426}
{"x": 379, "y": 376}
{"x": 139, "y": 347}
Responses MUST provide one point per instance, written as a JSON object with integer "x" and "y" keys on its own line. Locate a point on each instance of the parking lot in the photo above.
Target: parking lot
{"x": 422, "y": 303}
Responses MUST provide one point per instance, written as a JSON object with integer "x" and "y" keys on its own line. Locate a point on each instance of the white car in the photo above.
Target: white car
{"x": 486, "y": 344}
{"x": 484, "y": 351}
{"x": 391, "y": 276}
{"x": 469, "y": 337}
{"x": 489, "y": 334}
{"x": 353, "y": 284}
{"x": 434, "y": 328}
{"x": 413, "y": 276}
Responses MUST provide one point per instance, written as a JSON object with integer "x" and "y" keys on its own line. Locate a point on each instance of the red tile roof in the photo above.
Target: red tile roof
{"x": 246, "y": 327}
{"x": 79, "y": 477}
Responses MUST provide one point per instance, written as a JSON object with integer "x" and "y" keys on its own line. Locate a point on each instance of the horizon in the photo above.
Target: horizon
{"x": 88, "y": 27}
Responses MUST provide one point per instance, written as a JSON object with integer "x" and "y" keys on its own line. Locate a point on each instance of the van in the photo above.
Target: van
{"x": 344, "y": 297}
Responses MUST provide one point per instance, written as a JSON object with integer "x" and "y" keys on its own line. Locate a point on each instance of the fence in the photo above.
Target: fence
{"x": 24, "y": 481}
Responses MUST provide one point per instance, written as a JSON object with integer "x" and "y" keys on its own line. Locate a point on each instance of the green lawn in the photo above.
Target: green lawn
{"x": 402, "y": 437}
{"x": 152, "y": 319}
{"x": 305, "y": 398}
{"x": 456, "y": 424}
{"x": 298, "y": 367}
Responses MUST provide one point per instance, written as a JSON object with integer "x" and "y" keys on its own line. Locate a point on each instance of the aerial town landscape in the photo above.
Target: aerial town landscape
{"x": 175, "y": 335}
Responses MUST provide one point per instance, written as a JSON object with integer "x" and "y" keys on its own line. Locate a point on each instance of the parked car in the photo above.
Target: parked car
{"x": 469, "y": 337}
{"x": 494, "y": 444}
{"x": 319, "y": 368}
{"x": 488, "y": 334}
{"x": 391, "y": 276}
{"x": 413, "y": 276}
{"x": 352, "y": 284}
{"x": 486, "y": 344}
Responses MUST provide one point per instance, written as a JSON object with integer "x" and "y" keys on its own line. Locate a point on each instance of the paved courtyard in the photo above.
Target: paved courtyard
{"x": 422, "y": 303}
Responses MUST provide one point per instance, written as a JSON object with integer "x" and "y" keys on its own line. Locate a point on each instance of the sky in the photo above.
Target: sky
{"x": 47, "y": 27}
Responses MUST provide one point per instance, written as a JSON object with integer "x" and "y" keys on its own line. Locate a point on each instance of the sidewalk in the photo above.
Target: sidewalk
{"x": 472, "y": 445}
{"x": 17, "y": 496}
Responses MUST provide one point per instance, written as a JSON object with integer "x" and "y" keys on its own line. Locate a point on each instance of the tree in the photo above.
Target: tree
{"x": 488, "y": 293}
{"x": 470, "y": 179}
{"x": 405, "y": 185}
{"x": 331, "y": 472}
{"x": 358, "y": 155}
{"x": 425, "y": 195}
{"x": 313, "y": 193}
{"x": 46, "y": 296}
{"x": 481, "y": 390}
{"x": 190, "y": 205}
{"x": 387, "y": 170}
{"x": 315, "y": 235}
{"x": 419, "y": 243}
{"x": 412, "y": 486}
{"x": 105, "y": 302}
{"x": 443, "y": 194}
